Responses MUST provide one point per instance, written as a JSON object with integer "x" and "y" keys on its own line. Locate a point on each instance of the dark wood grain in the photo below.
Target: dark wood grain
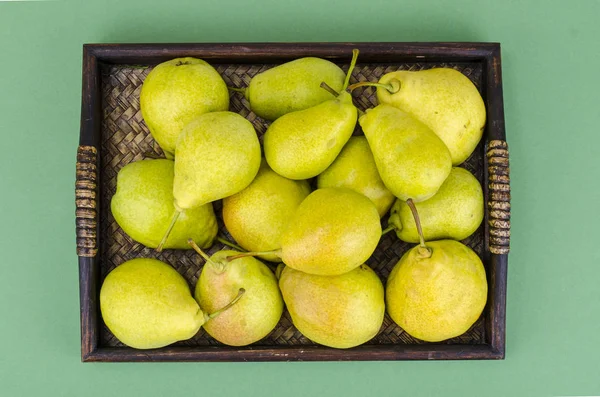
{"x": 89, "y": 277}
{"x": 498, "y": 203}
{"x": 87, "y": 183}
{"x": 304, "y": 353}
{"x": 278, "y": 52}
{"x": 486, "y": 54}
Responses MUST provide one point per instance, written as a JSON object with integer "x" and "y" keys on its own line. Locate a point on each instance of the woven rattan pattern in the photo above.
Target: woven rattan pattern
{"x": 125, "y": 138}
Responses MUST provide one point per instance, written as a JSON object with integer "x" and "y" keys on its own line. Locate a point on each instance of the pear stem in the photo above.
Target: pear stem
{"x": 351, "y": 68}
{"x": 388, "y": 87}
{"x": 424, "y": 251}
{"x": 387, "y": 230}
{"x": 230, "y": 244}
{"x": 327, "y": 88}
{"x": 235, "y": 300}
{"x": 255, "y": 253}
{"x": 203, "y": 254}
{"x": 169, "y": 229}
{"x": 413, "y": 209}
{"x": 219, "y": 266}
{"x": 235, "y": 89}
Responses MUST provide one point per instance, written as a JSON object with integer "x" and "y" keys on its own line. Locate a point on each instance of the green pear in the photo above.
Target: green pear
{"x": 336, "y": 311}
{"x": 143, "y": 207}
{"x": 412, "y": 161}
{"x": 292, "y": 86}
{"x": 355, "y": 169}
{"x": 257, "y": 216}
{"x": 437, "y": 290}
{"x": 146, "y": 304}
{"x": 302, "y": 144}
{"x": 255, "y": 315}
{"x": 217, "y": 155}
{"x": 445, "y": 100}
{"x": 176, "y": 92}
{"x": 333, "y": 231}
{"x": 454, "y": 212}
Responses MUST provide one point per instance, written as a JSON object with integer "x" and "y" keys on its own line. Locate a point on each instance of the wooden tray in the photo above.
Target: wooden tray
{"x": 113, "y": 134}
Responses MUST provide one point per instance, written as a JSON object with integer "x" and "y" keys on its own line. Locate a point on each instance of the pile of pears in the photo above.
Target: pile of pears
{"x": 305, "y": 208}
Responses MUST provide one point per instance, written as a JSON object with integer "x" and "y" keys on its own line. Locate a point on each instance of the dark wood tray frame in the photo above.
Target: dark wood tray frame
{"x": 497, "y": 194}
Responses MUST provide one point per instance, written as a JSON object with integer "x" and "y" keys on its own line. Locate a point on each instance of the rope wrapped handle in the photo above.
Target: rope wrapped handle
{"x": 499, "y": 197}
{"x": 86, "y": 214}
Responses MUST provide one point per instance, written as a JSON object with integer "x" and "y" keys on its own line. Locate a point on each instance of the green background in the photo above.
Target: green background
{"x": 551, "y": 58}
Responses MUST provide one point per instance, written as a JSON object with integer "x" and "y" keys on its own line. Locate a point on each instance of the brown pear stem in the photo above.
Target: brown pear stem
{"x": 169, "y": 229}
{"x": 424, "y": 250}
{"x": 227, "y": 306}
{"x": 355, "y": 53}
{"x": 327, "y": 88}
{"x": 235, "y": 89}
{"x": 388, "y": 87}
{"x": 218, "y": 266}
{"x": 413, "y": 209}
{"x": 255, "y": 253}
{"x": 230, "y": 244}
{"x": 387, "y": 230}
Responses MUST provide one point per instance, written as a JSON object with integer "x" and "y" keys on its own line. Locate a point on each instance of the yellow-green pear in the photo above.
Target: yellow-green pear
{"x": 177, "y": 91}
{"x": 302, "y": 144}
{"x": 454, "y": 212}
{"x": 437, "y": 290}
{"x": 445, "y": 100}
{"x": 336, "y": 311}
{"x": 412, "y": 161}
{"x": 257, "y": 216}
{"x": 146, "y": 304}
{"x": 293, "y": 86}
{"x": 255, "y": 315}
{"x": 217, "y": 155}
{"x": 333, "y": 231}
{"x": 355, "y": 169}
{"x": 143, "y": 207}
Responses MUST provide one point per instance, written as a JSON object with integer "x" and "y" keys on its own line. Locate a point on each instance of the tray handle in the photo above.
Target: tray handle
{"x": 86, "y": 213}
{"x": 499, "y": 198}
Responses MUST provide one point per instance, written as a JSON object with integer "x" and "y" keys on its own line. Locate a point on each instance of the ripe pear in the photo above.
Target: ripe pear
{"x": 217, "y": 155}
{"x": 302, "y": 144}
{"x": 255, "y": 315}
{"x": 176, "y": 92}
{"x": 437, "y": 290}
{"x": 146, "y": 304}
{"x": 412, "y": 161}
{"x": 454, "y": 212}
{"x": 445, "y": 100}
{"x": 257, "y": 216}
{"x": 333, "y": 231}
{"x": 143, "y": 207}
{"x": 292, "y": 86}
{"x": 336, "y": 311}
{"x": 355, "y": 169}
